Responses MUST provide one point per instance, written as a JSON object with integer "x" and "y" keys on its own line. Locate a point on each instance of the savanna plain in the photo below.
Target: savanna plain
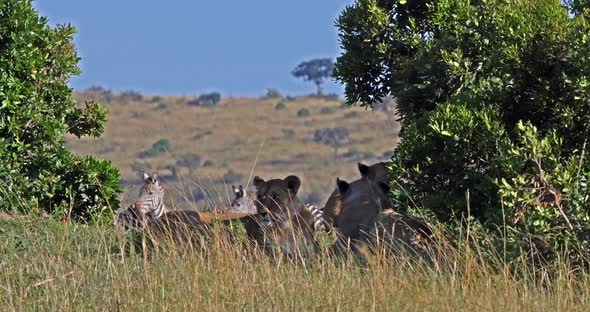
{"x": 46, "y": 264}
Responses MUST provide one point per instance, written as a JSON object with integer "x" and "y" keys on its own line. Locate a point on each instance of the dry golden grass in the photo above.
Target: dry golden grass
{"x": 245, "y": 135}
{"x": 81, "y": 268}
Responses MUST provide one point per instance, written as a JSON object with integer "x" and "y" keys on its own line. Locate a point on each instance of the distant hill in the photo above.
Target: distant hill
{"x": 231, "y": 141}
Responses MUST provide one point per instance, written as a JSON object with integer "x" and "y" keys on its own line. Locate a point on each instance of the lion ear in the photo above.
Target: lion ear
{"x": 343, "y": 186}
{"x": 258, "y": 182}
{"x": 293, "y": 184}
{"x": 363, "y": 169}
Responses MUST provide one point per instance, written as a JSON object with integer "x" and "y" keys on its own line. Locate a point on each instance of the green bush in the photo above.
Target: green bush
{"x": 206, "y": 100}
{"x": 36, "y": 111}
{"x": 358, "y": 154}
{"x": 99, "y": 93}
{"x": 273, "y": 93}
{"x": 493, "y": 98}
{"x": 328, "y": 110}
{"x": 280, "y": 105}
{"x": 130, "y": 96}
{"x": 160, "y": 147}
{"x": 304, "y": 112}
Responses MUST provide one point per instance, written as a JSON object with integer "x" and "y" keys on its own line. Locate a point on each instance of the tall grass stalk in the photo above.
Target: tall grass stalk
{"x": 46, "y": 265}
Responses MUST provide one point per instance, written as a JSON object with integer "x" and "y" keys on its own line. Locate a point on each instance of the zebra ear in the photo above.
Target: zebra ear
{"x": 145, "y": 176}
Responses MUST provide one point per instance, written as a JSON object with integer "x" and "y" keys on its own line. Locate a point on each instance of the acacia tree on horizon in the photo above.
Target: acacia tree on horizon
{"x": 316, "y": 71}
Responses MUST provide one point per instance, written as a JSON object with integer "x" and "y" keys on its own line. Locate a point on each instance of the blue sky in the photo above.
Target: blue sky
{"x": 184, "y": 47}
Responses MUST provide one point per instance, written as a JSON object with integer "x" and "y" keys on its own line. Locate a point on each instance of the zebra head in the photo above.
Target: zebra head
{"x": 148, "y": 206}
{"x": 243, "y": 202}
{"x": 150, "y": 200}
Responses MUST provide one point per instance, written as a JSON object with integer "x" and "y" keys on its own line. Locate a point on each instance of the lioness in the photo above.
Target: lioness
{"x": 282, "y": 220}
{"x": 376, "y": 172}
{"x": 366, "y": 217}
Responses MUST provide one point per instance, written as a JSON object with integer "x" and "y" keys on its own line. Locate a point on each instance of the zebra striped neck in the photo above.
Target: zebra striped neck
{"x": 318, "y": 217}
{"x": 160, "y": 211}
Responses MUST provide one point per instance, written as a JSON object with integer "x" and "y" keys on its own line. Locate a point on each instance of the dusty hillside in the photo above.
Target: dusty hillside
{"x": 240, "y": 135}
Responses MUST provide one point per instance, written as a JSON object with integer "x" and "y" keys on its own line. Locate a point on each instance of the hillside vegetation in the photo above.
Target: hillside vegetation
{"x": 240, "y": 135}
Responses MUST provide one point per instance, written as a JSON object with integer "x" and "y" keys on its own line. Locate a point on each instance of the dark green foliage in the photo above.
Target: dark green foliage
{"x": 158, "y": 148}
{"x": 89, "y": 121}
{"x": 494, "y": 101}
{"x": 206, "y": 100}
{"x": 208, "y": 163}
{"x": 303, "y": 112}
{"x": 36, "y": 111}
{"x": 88, "y": 180}
{"x": 578, "y": 6}
{"x": 316, "y": 71}
{"x": 280, "y": 105}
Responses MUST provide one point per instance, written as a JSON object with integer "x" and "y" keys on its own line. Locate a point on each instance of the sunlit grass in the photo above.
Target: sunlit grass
{"x": 48, "y": 265}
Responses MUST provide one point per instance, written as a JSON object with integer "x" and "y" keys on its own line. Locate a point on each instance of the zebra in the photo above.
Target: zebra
{"x": 148, "y": 207}
{"x": 318, "y": 217}
{"x": 243, "y": 202}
